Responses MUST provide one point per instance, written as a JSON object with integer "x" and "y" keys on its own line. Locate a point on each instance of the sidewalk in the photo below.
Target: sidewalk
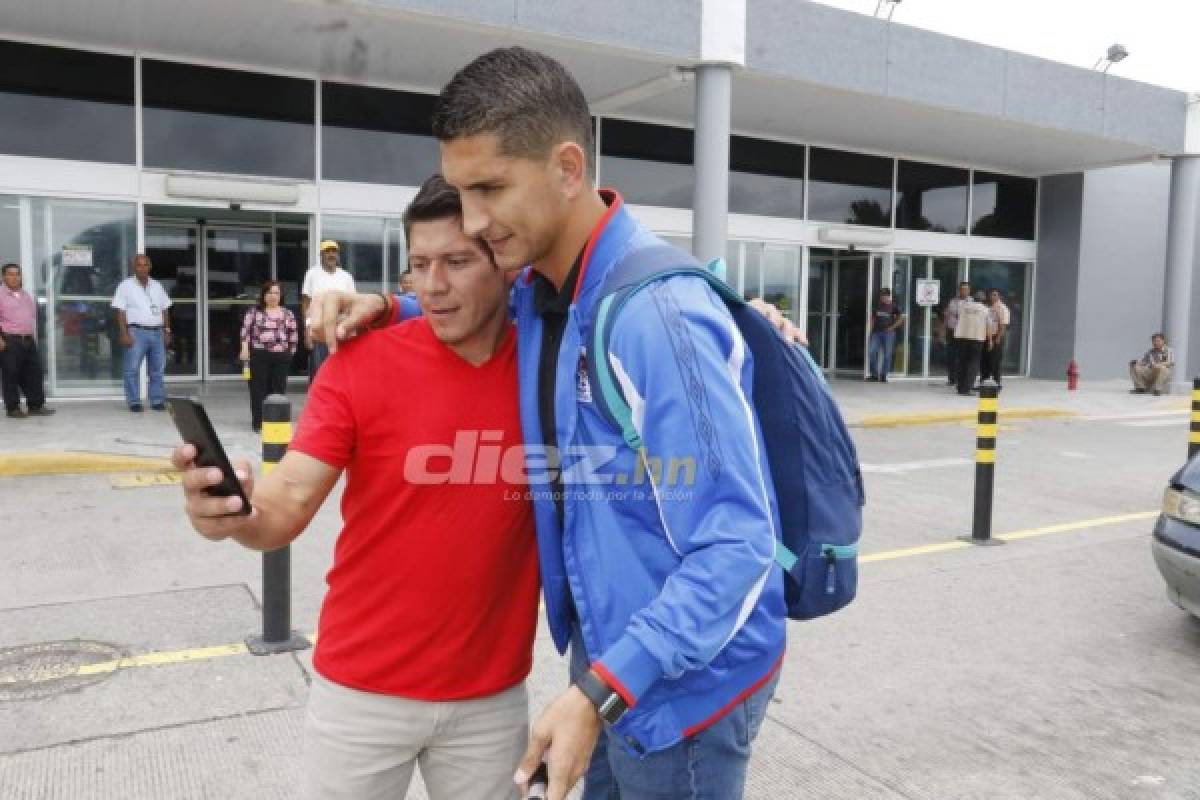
{"x": 105, "y": 426}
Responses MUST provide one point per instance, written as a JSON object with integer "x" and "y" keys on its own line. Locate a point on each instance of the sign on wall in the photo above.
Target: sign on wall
{"x": 77, "y": 255}
{"x": 928, "y": 292}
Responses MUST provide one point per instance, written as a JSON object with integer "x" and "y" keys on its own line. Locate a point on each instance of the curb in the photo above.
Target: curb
{"x": 15, "y": 465}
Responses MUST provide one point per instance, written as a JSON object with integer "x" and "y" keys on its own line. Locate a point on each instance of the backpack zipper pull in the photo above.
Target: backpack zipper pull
{"x": 830, "y": 571}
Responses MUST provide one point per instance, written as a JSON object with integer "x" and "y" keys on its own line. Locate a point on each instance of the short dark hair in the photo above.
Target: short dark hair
{"x": 11, "y": 265}
{"x": 526, "y": 98}
{"x": 1162, "y": 336}
{"x": 885, "y": 290}
{"x": 964, "y": 283}
{"x": 435, "y": 200}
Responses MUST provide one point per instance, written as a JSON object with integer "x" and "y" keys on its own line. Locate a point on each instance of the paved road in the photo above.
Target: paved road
{"x": 1050, "y": 667}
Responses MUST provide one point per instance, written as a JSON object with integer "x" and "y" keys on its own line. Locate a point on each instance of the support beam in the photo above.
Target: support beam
{"x": 714, "y": 101}
{"x": 1183, "y": 252}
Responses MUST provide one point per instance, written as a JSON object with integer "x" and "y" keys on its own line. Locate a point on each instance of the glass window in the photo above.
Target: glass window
{"x": 361, "y": 240}
{"x": 649, "y": 164}
{"x": 397, "y": 252}
{"x": 91, "y": 245}
{"x": 376, "y": 135}
{"x": 766, "y": 178}
{"x": 221, "y": 120}
{"x": 59, "y": 103}
{"x": 930, "y": 197}
{"x": 781, "y": 279}
{"x": 1002, "y": 205}
{"x": 1012, "y": 279}
{"x": 850, "y": 188}
{"x": 10, "y": 231}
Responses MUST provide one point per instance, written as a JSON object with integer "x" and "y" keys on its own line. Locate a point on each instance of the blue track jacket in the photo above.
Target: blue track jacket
{"x": 667, "y": 558}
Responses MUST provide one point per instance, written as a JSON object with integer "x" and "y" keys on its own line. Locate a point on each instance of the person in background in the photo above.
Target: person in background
{"x": 321, "y": 278}
{"x": 20, "y": 365}
{"x": 1152, "y": 372}
{"x": 269, "y": 339}
{"x": 999, "y": 320}
{"x": 406, "y": 283}
{"x": 950, "y": 318}
{"x": 971, "y": 333}
{"x": 141, "y": 304}
{"x": 886, "y": 320}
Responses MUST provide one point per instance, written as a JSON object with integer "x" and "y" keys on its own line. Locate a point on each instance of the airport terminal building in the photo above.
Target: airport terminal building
{"x": 226, "y": 138}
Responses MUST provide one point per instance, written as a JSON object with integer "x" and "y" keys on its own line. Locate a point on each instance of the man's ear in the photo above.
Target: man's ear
{"x": 570, "y": 163}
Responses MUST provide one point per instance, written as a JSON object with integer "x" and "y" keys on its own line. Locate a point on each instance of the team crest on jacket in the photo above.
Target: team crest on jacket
{"x": 583, "y": 387}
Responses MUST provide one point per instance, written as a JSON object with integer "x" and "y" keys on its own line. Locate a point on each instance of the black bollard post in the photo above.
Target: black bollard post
{"x": 277, "y": 636}
{"x": 1194, "y": 435}
{"x": 985, "y": 465}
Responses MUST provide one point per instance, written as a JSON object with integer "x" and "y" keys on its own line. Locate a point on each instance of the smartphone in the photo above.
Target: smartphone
{"x": 538, "y": 783}
{"x": 191, "y": 420}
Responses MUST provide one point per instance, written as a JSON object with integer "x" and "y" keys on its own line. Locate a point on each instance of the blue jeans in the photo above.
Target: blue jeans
{"x": 710, "y": 765}
{"x": 316, "y": 358}
{"x": 147, "y": 345}
{"x": 880, "y": 353}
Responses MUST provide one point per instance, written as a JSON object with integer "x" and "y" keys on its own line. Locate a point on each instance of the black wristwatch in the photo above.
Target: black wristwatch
{"x": 609, "y": 704}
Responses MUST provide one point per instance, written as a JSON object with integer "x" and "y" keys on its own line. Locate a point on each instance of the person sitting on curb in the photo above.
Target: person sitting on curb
{"x": 1152, "y": 371}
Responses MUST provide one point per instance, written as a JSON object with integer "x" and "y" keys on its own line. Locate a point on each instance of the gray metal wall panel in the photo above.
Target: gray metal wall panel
{"x": 1139, "y": 112}
{"x": 817, "y": 43}
{"x": 801, "y": 40}
{"x": 1122, "y": 266}
{"x": 669, "y": 27}
{"x": 929, "y": 68}
{"x": 1046, "y": 94}
{"x": 490, "y": 12}
{"x": 1056, "y": 286}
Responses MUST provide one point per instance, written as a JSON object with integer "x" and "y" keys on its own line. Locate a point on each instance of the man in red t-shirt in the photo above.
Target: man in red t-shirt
{"x": 426, "y": 633}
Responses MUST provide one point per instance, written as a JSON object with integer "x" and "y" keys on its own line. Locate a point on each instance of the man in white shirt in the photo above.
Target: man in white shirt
{"x": 999, "y": 318}
{"x": 971, "y": 332}
{"x": 328, "y": 275}
{"x": 141, "y": 304}
{"x": 950, "y": 318}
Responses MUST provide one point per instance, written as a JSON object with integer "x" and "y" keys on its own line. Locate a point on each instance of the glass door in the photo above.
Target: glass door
{"x": 237, "y": 261}
{"x": 852, "y": 310}
{"x": 175, "y": 263}
{"x": 821, "y": 277}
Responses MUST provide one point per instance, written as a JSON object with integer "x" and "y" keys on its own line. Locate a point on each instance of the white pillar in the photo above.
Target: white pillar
{"x": 710, "y": 223}
{"x": 1183, "y": 249}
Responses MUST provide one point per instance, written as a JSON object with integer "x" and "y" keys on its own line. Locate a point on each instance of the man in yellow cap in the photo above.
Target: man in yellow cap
{"x": 321, "y": 278}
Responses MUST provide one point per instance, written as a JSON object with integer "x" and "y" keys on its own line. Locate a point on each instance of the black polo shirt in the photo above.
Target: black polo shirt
{"x": 552, "y": 306}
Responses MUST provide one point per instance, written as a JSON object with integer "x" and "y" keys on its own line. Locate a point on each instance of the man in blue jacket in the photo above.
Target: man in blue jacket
{"x": 667, "y": 590}
{"x": 657, "y": 566}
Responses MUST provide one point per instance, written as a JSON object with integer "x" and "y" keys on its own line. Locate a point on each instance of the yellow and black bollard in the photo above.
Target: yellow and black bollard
{"x": 277, "y": 635}
{"x": 1194, "y": 430}
{"x": 985, "y": 464}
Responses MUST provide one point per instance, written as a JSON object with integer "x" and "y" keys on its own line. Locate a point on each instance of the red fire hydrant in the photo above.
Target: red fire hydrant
{"x": 1072, "y": 376}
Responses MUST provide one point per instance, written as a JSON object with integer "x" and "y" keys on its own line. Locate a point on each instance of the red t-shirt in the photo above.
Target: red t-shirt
{"x": 433, "y": 592}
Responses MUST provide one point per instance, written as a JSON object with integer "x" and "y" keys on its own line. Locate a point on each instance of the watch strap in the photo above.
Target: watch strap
{"x": 609, "y": 704}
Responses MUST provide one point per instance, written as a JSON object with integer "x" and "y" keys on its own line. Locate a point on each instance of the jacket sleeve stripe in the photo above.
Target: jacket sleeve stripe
{"x": 638, "y": 406}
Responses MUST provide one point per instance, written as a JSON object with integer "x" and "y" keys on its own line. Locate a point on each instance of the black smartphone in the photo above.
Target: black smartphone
{"x": 191, "y": 420}
{"x": 538, "y": 783}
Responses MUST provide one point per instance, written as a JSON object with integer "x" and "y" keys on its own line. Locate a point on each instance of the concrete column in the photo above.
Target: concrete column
{"x": 714, "y": 100}
{"x": 1183, "y": 251}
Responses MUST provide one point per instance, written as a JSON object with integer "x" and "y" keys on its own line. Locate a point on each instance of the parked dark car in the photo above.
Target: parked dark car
{"x": 1176, "y": 542}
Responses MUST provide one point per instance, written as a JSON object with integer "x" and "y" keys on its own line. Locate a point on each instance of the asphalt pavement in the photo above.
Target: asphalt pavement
{"x": 1050, "y": 666}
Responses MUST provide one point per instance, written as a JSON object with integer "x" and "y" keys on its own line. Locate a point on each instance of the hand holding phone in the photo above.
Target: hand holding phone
{"x": 217, "y": 500}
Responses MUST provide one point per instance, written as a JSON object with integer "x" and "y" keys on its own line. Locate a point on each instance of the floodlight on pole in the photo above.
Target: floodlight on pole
{"x": 1116, "y": 53}
{"x": 890, "y": 5}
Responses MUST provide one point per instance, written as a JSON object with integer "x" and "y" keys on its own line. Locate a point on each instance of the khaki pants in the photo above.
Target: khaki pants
{"x": 364, "y": 746}
{"x": 1157, "y": 378}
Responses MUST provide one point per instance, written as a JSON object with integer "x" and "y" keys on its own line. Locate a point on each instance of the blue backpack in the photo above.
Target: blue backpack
{"x": 814, "y": 466}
